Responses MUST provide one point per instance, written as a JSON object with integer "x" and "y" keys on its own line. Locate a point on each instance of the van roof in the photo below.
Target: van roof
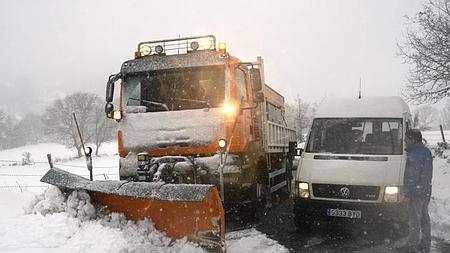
{"x": 370, "y": 107}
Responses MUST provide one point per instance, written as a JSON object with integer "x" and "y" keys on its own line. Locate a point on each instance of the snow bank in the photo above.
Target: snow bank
{"x": 56, "y": 223}
{"x": 440, "y": 202}
{"x": 251, "y": 240}
{"x": 59, "y": 224}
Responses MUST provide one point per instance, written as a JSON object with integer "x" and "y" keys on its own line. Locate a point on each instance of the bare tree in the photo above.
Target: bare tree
{"x": 6, "y": 126}
{"x": 28, "y": 130}
{"x": 59, "y": 123}
{"x": 102, "y": 127}
{"x": 425, "y": 117}
{"x": 445, "y": 115}
{"x": 299, "y": 115}
{"x": 427, "y": 48}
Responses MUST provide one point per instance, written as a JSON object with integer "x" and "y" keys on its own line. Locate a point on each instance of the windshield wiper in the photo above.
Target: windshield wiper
{"x": 193, "y": 101}
{"x": 161, "y": 105}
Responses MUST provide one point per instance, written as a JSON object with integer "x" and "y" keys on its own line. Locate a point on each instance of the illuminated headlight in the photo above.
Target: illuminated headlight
{"x": 145, "y": 50}
{"x": 222, "y": 143}
{"x": 117, "y": 115}
{"x": 229, "y": 108}
{"x": 391, "y": 193}
{"x": 303, "y": 190}
{"x": 223, "y": 49}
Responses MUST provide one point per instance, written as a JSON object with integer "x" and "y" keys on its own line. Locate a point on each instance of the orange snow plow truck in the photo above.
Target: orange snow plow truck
{"x": 198, "y": 131}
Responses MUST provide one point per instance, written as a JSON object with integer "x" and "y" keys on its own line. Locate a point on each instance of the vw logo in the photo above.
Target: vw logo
{"x": 344, "y": 192}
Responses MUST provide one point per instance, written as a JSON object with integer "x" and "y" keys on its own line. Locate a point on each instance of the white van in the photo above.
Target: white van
{"x": 353, "y": 163}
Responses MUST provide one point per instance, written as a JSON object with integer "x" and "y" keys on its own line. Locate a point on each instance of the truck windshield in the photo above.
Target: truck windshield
{"x": 375, "y": 136}
{"x": 176, "y": 89}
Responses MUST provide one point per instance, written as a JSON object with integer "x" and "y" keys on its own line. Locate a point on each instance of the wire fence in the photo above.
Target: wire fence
{"x": 106, "y": 175}
{"x": 17, "y": 162}
{"x": 18, "y": 186}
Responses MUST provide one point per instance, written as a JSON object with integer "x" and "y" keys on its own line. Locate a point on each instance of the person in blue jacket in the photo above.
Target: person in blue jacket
{"x": 417, "y": 191}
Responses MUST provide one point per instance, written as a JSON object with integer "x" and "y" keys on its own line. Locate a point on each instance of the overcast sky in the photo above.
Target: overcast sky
{"x": 314, "y": 48}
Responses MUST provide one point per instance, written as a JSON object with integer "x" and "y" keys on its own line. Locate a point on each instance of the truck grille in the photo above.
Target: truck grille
{"x": 341, "y": 191}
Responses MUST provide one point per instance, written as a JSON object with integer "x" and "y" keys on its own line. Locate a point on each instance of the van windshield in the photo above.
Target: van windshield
{"x": 374, "y": 136}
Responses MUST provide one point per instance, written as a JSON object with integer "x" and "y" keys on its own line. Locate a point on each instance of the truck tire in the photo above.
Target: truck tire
{"x": 261, "y": 191}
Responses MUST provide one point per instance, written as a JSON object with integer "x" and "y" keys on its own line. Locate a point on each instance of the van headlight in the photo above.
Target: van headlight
{"x": 391, "y": 193}
{"x": 303, "y": 190}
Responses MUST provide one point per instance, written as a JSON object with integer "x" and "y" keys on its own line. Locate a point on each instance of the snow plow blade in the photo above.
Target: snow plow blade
{"x": 180, "y": 210}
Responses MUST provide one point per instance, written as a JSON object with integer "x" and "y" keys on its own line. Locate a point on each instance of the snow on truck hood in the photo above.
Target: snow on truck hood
{"x": 188, "y": 128}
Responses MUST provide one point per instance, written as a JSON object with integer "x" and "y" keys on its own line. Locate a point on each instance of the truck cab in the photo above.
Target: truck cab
{"x": 353, "y": 163}
{"x": 189, "y": 112}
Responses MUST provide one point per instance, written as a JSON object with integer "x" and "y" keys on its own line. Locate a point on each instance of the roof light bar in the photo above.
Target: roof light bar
{"x": 179, "y": 45}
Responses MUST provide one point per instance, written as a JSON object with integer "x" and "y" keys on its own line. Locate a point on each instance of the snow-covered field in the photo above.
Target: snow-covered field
{"x": 56, "y": 225}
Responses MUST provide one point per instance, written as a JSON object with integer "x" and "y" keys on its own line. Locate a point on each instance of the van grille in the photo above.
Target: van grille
{"x": 339, "y": 191}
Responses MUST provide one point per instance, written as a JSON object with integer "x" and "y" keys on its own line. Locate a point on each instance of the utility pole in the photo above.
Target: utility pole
{"x": 359, "y": 96}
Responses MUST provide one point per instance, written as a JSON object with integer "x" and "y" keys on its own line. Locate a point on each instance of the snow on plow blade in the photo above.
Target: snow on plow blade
{"x": 194, "y": 211}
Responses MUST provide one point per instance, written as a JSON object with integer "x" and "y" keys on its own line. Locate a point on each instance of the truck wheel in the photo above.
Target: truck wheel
{"x": 261, "y": 192}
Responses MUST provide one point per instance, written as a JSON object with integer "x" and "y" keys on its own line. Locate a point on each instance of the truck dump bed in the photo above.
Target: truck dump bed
{"x": 277, "y": 134}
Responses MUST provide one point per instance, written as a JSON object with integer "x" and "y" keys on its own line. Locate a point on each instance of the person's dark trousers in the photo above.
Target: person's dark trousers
{"x": 419, "y": 224}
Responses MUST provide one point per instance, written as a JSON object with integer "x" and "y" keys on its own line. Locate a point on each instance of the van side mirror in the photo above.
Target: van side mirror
{"x": 255, "y": 76}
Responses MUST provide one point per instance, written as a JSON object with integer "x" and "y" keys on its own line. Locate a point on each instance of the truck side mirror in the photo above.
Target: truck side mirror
{"x": 109, "y": 108}
{"x": 110, "y": 86}
{"x": 255, "y": 76}
{"x": 292, "y": 148}
{"x": 109, "y": 91}
{"x": 258, "y": 97}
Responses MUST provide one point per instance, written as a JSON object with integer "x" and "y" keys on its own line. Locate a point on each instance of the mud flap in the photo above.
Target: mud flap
{"x": 179, "y": 210}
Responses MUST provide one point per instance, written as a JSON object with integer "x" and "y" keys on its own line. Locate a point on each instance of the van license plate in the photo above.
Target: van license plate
{"x": 352, "y": 214}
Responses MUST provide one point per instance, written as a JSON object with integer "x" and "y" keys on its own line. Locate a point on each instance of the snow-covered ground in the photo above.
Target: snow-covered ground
{"x": 440, "y": 202}
{"x": 54, "y": 227}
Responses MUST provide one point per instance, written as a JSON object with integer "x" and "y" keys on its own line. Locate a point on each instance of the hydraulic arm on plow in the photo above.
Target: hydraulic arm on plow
{"x": 192, "y": 119}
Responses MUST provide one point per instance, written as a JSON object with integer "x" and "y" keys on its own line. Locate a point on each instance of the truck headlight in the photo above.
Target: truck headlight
{"x": 117, "y": 115}
{"x": 303, "y": 190}
{"x": 229, "y": 108}
{"x": 391, "y": 193}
